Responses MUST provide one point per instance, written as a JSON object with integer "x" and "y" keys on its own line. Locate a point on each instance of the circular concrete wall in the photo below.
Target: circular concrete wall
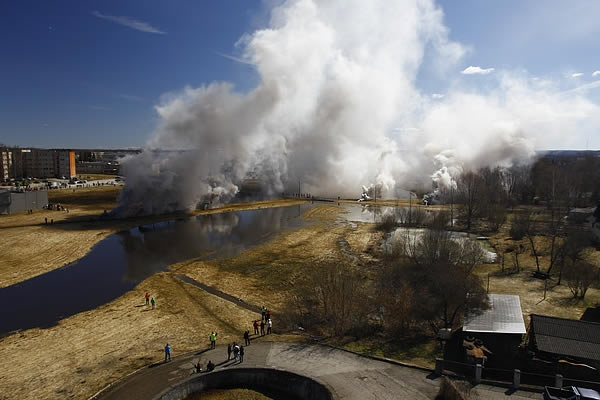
{"x": 288, "y": 384}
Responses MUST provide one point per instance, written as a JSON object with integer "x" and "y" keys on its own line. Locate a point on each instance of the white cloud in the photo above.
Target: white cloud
{"x": 472, "y": 70}
{"x": 576, "y": 74}
{"x": 130, "y": 23}
{"x": 596, "y": 73}
{"x": 437, "y": 96}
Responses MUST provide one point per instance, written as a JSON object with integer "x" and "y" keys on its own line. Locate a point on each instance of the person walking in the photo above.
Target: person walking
{"x": 268, "y": 315}
{"x": 167, "y": 352}
{"x": 147, "y": 297}
{"x": 255, "y": 324}
{"x": 262, "y": 328}
{"x": 213, "y": 339}
{"x": 247, "y": 338}
{"x": 241, "y": 353}
{"x": 228, "y": 351}
{"x": 269, "y": 327}
{"x": 153, "y": 302}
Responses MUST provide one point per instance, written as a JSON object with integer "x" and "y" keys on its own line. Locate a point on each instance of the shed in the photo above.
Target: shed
{"x": 500, "y": 328}
{"x": 580, "y": 215}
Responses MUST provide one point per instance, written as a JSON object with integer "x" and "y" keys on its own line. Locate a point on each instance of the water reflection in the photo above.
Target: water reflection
{"x": 362, "y": 212}
{"x": 119, "y": 262}
{"x": 415, "y": 234}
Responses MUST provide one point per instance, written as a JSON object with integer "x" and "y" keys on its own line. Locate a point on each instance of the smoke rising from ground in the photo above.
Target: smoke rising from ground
{"x": 337, "y": 106}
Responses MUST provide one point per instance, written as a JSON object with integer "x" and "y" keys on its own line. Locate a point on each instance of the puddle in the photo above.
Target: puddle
{"x": 363, "y": 212}
{"x": 489, "y": 255}
{"x": 119, "y": 262}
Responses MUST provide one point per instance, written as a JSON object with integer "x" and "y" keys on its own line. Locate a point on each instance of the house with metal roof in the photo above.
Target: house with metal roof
{"x": 498, "y": 330}
{"x": 554, "y": 338}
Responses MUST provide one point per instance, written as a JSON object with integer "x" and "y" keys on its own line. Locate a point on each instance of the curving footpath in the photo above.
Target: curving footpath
{"x": 347, "y": 375}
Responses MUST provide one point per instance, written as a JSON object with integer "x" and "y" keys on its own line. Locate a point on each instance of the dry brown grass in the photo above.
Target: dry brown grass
{"x": 87, "y": 351}
{"x": 559, "y": 300}
{"x": 231, "y": 394}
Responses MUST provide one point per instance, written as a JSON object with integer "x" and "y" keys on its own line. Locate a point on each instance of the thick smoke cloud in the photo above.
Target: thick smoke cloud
{"x": 337, "y": 106}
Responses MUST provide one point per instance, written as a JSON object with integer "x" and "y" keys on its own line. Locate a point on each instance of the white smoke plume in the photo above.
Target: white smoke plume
{"x": 336, "y": 97}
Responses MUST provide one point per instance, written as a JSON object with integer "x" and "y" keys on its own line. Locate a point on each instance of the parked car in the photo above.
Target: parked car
{"x": 570, "y": 393}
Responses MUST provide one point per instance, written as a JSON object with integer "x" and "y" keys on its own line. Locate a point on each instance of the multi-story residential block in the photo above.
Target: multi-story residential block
{"x": 6, "y": 163}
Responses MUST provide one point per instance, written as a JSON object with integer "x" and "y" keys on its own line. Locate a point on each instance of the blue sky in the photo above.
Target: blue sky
{"x": 88, "y": 73}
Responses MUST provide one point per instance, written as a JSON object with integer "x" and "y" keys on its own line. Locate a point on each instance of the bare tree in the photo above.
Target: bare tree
{"x": 331, "y": 298}
{"x": 580, "y": 276}
{"x": 468, "y": 186}
{"x": 439, "y": 269}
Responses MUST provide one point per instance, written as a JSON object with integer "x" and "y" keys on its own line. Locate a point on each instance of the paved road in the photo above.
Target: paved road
{"x": 350, "y": 376}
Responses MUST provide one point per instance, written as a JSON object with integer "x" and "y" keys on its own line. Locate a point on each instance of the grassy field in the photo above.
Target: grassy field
{"x": 95, "y": 199}
{"x": 85, "y": 352}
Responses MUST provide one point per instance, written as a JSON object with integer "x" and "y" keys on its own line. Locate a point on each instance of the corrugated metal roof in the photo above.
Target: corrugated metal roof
{"x": 503, "y": 316}
{"x": 568, "y": 337}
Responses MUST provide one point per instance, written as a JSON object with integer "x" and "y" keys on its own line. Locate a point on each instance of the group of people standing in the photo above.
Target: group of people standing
{"x": 232, "y": 348}
{"x": 150, "y": 300}
{"x": 264, "y": 322}
{"x": 237, "y": 350}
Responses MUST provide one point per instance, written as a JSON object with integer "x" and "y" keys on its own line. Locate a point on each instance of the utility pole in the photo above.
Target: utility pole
{"x": 451, "y": 205}
{"x": 409, "y": 208}
{"x": 299, "y": 188}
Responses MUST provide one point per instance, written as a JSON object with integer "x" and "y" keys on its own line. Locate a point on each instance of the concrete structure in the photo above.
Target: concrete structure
{"x": 13, "y": 202}
{"x": 285, "y": 384}
{"x": 345, "y": 374}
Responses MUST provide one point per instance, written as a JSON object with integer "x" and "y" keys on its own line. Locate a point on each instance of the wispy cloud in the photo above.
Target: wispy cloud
{"x": 586, "y": 87}
{"x": 99, "y": 108}
{"x": 473, "y": 70}
{"x": 234, "y": 58}
{"x": 129, "y": 22}
{"x": 576, "y": 74}
{"x": 437, "y": 96}
{"x": 130, "y": 97}
{"x": 596, "y": 73}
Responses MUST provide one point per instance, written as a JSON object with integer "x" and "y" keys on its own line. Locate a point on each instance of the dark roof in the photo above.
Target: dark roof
{"x": 591, "y": 314}
{"x": 566, "y": 337}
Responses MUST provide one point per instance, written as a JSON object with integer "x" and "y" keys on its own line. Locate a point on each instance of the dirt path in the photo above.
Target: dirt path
{"x": 238, "y": 302}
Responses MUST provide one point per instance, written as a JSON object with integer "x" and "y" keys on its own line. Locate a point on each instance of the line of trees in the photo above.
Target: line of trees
{"x": 555, "y": 185}
{"x": 484, "y": 195}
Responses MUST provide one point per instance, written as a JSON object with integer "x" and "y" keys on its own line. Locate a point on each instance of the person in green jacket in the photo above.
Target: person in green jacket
{"x": 153, "y": 302}
{"x": 213, "y": 339}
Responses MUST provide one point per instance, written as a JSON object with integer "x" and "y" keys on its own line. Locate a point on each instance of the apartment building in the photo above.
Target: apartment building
{"x": 36, "y": 163}
{"x": 6, "y": 163}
